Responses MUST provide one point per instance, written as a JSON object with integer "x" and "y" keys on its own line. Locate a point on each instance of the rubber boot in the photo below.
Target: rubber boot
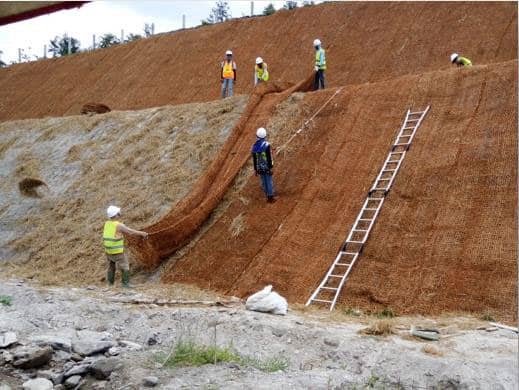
{"x": 125, "y": 279}
{"x": 110, "y": 277}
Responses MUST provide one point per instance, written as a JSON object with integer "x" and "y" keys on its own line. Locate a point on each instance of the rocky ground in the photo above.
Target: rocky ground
{"x": 95, "y": 338}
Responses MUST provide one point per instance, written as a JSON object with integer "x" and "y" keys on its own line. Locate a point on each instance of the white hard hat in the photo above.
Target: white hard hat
{"x": 317, "y": 42}
{"x": 454, "y": 56}
{"x": 228, "y": 53}
{"x": 261, "y": 132}
{"x": 112, "y": 211}
{"x": 259, "y": 60}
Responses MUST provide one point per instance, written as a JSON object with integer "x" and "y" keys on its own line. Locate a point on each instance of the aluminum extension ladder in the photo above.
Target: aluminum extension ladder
{"x": 331, "y": 285}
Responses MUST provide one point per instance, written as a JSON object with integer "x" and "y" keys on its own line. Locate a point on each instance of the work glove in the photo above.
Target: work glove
{"x": 316, "y": 68}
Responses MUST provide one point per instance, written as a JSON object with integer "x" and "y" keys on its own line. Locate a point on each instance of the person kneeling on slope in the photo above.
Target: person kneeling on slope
{"x": 262, "y": 160}
{"x": 261, "y": 72}
{"x": 114, "y": 245}
{"x": 459, "y": 60}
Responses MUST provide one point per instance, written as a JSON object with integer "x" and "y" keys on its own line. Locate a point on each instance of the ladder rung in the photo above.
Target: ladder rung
{"x": 348, "y": 253}
{"x": 396, "y": 153}
{"x": 336, "y": 276}
{"x": 416, "y": 113}
{"x": 406, "y": 144}
{"x": 381, "y": 179}
{"x": 406, "y": 136}
{"x": 365, "y": 219}
{"x": 321, "y": 300}
{"x": 388, "y": 170}
{"x": 371, "y": 209}
{"x": 343, "y": 264}
{"x": 376, "y": 198}
{"x": 360, "y": 230}
{"x": 393, "y": 161}
{"x": 408, "y": 128}
{"x": 381, "y": 189}
{"x": 356, "y": 242}
{"x": 413, "y": 120}
{"x": 329, "y": 288}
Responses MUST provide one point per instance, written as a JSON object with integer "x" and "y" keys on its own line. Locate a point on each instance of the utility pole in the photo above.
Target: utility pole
{"x": 93, "y": 41}
{"x": 19, "y": 55}
{"x": 44, "y": 51}
{"x": 153, "y": 29}
{"x": 122, "y": 36}
{"x": 183, "y": 21}
{"x": 252, "y": 8}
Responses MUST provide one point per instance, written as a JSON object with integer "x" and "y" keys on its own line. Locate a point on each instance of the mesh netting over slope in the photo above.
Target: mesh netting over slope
{"x": 365, "y": 42}
{"x": 445, "y": 240}
{"x": 177, "y": 227}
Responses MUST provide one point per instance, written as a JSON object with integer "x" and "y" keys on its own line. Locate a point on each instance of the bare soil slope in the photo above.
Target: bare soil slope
{"x": 365, "y": 42}
{"x": 445, "y": 239}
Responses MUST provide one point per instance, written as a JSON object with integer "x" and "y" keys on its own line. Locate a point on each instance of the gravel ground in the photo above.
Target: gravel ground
{"x": 321, "y": 352}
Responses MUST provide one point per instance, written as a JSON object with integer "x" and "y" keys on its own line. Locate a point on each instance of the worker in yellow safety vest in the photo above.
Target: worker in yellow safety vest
{"x": 459, "y": 60}
{"x": 320, "y": 65}
{"x": 261, "y": 72}
{"x": 228, "y": 74}
{"x": 114, "y": 245}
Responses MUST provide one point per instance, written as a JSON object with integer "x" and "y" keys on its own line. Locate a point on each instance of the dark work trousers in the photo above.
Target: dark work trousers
{"x": 319, "y": 79}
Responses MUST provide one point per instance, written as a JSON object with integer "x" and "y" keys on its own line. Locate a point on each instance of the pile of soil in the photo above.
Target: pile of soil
{"x": 365, "y": 42}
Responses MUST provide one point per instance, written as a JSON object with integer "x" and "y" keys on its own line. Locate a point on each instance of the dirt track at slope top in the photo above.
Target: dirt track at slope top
{"x": 365, "y": 42}
{"x": 323, "y": 181}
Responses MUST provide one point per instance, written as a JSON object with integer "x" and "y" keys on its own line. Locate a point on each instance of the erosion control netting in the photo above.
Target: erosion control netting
{"x": 178, "y": 226}
{"x": 444, "y": 241}
{"x": 365, "y": 42}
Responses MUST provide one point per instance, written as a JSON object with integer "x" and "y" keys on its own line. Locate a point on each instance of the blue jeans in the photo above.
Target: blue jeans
{"x": 227, "y": 87}
{"x": 267, "y": 184}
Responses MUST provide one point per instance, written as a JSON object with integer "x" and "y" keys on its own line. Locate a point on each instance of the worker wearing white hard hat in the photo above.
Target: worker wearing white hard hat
{"x": 261, "y": 72}
{"x": 459, "y": 60}
{"x": 320, "y": 65}
{"x": 113, "y": 239}
{"x": 263, "y": 164}
{"x": 228, "y": 74}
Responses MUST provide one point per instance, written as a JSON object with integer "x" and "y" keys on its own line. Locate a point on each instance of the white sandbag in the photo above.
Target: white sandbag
{"x": 267, "y": 301}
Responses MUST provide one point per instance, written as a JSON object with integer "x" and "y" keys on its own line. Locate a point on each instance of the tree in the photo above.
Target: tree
{"x": 132, "y": 37}
{"x": 2, "y": 63}
{"x": 59, "y": 46}
{"x": 308, "y": 3}
{"x": 269, "y": 10}
{"x": 290, "y": 5}
{"x": 108, "y": 40}
{"x": 220, "y": 13}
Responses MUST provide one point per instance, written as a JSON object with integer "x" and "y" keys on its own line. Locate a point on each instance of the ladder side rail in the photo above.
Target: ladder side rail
{"x": 343, "y": 280}
{"x": 359, "y": 216}
{"x": 419, "y": 123}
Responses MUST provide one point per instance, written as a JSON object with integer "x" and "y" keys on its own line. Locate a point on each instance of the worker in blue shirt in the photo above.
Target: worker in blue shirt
{"x": 262, "y": 160}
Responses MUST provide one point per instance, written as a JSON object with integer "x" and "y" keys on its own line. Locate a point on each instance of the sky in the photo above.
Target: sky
{"x": 100, "y": 17}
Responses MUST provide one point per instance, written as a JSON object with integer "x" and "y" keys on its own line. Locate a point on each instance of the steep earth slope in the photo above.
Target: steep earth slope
{"x": 366, "y": 42}
{"x": 445, "y": 239}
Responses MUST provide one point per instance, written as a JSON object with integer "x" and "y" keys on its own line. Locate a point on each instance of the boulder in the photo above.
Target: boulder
{"x": 94, "y": 108}
{"x": 130, "y": 345}
{"x": 80, "y": 369}
{"x": 87, "y": 348}
{"x": 7, "y": 339}
{"x": 102, "y": 368}
{"x": 54, "y": 377}
{"x": 32, "y": 357}
{"x": 56, "y": 342}
{"x": 150, "y": 381}
{"x": 72, "y": 382}
{"x": 3, "y": 386}
{"x": 38, "y": 384}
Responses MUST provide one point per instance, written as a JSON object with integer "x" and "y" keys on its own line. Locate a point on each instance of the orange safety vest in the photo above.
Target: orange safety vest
{"x": 228, "y": 71}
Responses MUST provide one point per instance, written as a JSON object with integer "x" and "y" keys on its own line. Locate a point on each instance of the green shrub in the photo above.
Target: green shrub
{"x": 386, "y": 313}
{"x": 6, "y": 300}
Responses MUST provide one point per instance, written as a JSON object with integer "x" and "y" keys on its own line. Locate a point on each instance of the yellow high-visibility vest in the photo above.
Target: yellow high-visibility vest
{"x": 113, "y": 245}
{"x": 228, "y": 72}
{"x": 465, "y": 61}
{"x": 320, "y": 59}
{"x": 262, "y": 73}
